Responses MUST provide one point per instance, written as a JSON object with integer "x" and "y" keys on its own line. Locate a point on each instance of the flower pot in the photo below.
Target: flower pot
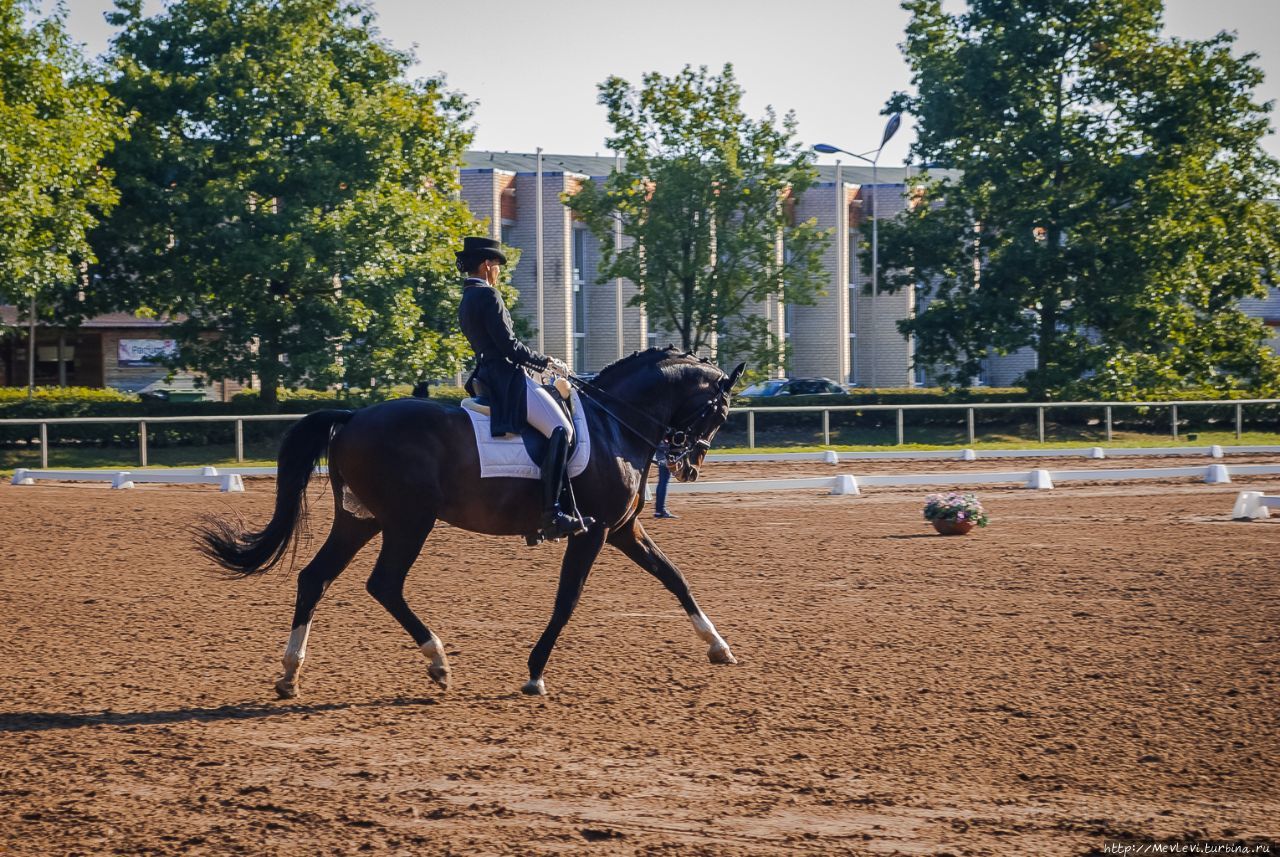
{"x": 952, "y": 528}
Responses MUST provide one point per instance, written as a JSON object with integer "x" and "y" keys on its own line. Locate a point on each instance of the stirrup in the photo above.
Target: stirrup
{"x": 558, "y": 525}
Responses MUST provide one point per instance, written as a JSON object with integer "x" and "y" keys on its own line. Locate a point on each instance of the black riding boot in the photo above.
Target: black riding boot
{"x": 556, "y": 523}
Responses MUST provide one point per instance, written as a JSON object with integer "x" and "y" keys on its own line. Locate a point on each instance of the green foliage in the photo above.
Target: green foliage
{"x": 1112, "y": 189}
{"x": 301, "y": 394}
{"x": 54, "y": 403}
{"x": 288, "y": 191}
{"x": 702, "y": 196}
{"x": 55, "y": 126}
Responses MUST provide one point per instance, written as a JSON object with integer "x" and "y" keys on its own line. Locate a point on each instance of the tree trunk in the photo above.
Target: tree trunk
{"x": 269, "y": 377}
{"x": 1045, "y": 348}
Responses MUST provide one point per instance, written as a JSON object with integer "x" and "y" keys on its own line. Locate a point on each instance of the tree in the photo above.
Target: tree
{"x": 287, "y": 195}
{"x": 1110, "y": 209}
{"x": 702, "y": 196}
{"x": 56, "y": 124}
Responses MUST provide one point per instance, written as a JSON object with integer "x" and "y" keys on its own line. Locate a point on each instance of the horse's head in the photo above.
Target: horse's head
{"x": 696, "y": 421}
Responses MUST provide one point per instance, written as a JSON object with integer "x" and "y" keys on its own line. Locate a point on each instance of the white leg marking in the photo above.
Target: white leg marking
{"x": 294, "y": 654}
{"x": 702, "y": 625}
{"x": 719, "y": 652}
{"x": 438, "y": 669}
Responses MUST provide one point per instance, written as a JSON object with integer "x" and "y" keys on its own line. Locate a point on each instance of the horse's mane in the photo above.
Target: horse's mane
{"x": 626, "y": 365}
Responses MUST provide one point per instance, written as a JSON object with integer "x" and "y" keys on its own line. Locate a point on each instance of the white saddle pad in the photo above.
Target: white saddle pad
{"x": 506, "y": 455}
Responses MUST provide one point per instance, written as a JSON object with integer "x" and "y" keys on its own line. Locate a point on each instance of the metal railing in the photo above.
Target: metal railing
{"x": 143, "y": 422}
{"x": 970, "y": 409}
{"x": 826, "y": 411}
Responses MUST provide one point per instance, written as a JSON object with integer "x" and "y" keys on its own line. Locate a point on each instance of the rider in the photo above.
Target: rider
{"x": 515, "y": 398}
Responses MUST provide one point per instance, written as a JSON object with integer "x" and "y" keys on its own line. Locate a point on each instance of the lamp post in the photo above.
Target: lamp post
{"x": 890, "y": 128}
{"x": 537, "y": 270}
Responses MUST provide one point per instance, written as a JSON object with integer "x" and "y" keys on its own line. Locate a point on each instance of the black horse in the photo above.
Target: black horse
{"x": 398, "y": 467}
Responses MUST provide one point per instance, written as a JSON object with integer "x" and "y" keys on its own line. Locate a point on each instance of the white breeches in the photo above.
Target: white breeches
{"x": 544, "y": 414}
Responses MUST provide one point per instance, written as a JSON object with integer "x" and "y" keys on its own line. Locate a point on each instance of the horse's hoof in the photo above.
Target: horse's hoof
{"x": 721, "y": 655}
{"x": 286, "y": 690}
{"x": 534, "y": 687}
{"x": 440, "y": 675}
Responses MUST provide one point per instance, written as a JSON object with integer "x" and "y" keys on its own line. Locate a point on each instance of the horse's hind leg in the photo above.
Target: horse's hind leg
{"x": 400, "y": 547}
{"x": 348, "y": 536}
{"x": 633, "y": 541}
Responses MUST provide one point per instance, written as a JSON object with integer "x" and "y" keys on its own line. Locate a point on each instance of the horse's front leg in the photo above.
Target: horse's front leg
{"x": 578, "y": 559}
{"x": 633, "y": 541}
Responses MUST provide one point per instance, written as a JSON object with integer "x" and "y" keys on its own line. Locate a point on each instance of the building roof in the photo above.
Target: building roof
{"x": 861, "y": 174}
{"x": 522, "y": 162}
{"x": 588, "y": 165}
{"x": 9, "y": 316}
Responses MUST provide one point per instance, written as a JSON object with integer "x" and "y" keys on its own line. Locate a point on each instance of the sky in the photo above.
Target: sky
{"x": 532, "y": 68}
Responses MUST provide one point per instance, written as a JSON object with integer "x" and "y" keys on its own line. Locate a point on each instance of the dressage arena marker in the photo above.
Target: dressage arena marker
{"x": 1254, "y": 505}
{"x": 227, "y": 482}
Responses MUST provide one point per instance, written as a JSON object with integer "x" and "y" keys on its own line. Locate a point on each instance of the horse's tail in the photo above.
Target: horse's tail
{"x": 242, "y": 552}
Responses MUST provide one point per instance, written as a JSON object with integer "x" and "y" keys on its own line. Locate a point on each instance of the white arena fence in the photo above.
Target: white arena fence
{"x": 225, "y": 481}
{"x": 1043, "y": 480}
{"x": 971, "y": 410}
{"x": 232, "y": 479}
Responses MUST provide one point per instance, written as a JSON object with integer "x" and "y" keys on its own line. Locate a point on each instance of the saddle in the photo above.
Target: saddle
{"x": 535, "y": 443}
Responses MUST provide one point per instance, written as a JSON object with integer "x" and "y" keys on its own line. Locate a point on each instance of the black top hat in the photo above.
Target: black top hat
{"x": 474, "y": 248}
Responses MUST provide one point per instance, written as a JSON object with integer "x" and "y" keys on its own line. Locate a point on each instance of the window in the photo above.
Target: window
{"x": 853, "y": 334}
{"x": 508, "y": 229}
{"x": 579, "y": 300}
{"x": 788, "y": 312}
{"x": 579, "y": 253}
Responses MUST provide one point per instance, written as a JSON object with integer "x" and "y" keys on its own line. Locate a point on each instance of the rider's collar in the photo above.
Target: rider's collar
{"x": 474, "y": 281}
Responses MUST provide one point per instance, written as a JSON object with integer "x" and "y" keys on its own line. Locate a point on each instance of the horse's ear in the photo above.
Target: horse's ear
{"x": 728, "y": 382}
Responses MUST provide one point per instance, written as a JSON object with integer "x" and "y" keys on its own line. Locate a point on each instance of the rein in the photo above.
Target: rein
{"x": 677, "y": 440}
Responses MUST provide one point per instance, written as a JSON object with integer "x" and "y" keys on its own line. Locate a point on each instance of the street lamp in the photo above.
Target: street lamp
{"x": 890, "y": 128}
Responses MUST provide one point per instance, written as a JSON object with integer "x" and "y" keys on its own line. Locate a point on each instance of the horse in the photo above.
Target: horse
{"x": 409, "y": 463}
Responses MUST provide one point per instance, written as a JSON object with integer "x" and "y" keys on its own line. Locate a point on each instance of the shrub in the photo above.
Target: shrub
{"x": 65, "y": 395}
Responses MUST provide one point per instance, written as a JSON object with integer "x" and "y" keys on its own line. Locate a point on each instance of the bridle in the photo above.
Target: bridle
{"x": 679, "y": 445}
{"x": 678, "y": 436}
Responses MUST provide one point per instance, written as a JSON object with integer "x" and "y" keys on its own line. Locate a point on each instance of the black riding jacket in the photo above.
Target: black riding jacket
{"x": 500, "y": 356}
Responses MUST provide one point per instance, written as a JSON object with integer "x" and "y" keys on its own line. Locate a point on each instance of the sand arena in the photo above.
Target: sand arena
{"x": 1102, "y": 661}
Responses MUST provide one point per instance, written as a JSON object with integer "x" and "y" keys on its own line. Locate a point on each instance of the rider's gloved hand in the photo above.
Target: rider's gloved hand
{"x": 558, "y": 366}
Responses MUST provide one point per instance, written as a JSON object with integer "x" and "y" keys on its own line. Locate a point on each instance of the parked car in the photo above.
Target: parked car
{"x": 793, "y": 387}
{"x": 764, "y": 388}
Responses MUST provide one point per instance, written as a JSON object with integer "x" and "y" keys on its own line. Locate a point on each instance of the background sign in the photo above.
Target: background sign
{"x": 144, "y": 352}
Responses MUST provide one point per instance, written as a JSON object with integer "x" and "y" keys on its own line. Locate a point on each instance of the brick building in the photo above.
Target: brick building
{"x": 847, "y": 336}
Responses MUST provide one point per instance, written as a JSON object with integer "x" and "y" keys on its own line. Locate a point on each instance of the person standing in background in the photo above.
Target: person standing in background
{"x": 664, "y": 476}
